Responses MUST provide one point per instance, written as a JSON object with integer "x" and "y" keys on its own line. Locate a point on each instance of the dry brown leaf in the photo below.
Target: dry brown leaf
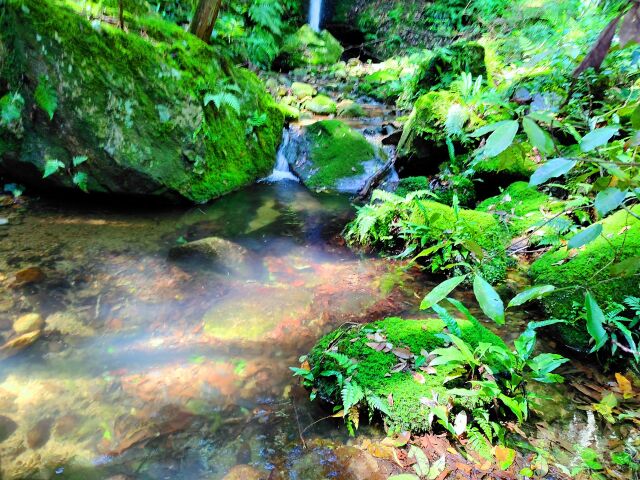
{"x": 418, "y": 377}
{"x": 625, "y": 386}
{"x": 403, "y": 353}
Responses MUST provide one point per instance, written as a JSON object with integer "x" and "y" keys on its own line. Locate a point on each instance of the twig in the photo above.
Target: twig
{"x": 300, "y": 431}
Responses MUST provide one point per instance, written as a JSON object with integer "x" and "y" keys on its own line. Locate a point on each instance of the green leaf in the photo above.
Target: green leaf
{"x": 597, "y": 138}
{"x": 585, "y": 236}
{"x": 551, "y": 169}
{"x": 448, "y": 320}
{"x": 421, "y": 465}
{"x": 537, "y": 136}
{"x": 51, "y": 167}
{"x": 482, "y": 131}
{"x": 79, "y": 160}
{"x": 525, "y": 343}
{"x": 441, "y": 291}
{"x": 530, "y": 294}
{"x": 80, "y": 179}
{"x": 501, "y": 139}
{"x": 351, "y": 395}
{"x": 10, "y": 108}
{"x": 595, "y": 322}
{"x": 404, "y": 476}
{"x": 626, "y": 267}
{"x": 609, "y": 200}
{"x": 635, "y": 118}
{"x": 46, "y": 97}
{"x": 489, "y": 300}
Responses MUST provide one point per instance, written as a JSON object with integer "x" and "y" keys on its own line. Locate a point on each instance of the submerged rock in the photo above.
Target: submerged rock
{"x": 302, "y": 90}
{"x": 321, "y": 105}
{"x": 224, "y": 254}
{"x": 245, "y": 472}
{"x": 68, "y": 324}
{"x": 27, "y": 276}
{"x": 30, "y": 322}
{"x": 306, "y": 47}
{"x": 338, "y": 158}
{"x": 40, "y": 433}
{"x": 350, "y": 109}
{"x": 7, "y": 427}
{"x": 132, "y": 119}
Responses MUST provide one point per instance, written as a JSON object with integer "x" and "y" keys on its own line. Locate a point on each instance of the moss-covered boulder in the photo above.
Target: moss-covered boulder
{"x": 306, "y": 47}
{"x": 448, "y": 63}
{"x": 593, "y": 268}
{"x": 303, "y": 90}
{"x": 515, "y": 163}
{"x": 375, "y": 372}
{"x": 137, "y": 112}
{"x": 320, "y": 105}
{"x": 422, "y": 147}
{"x": 522, "y": 207}
{"x": 476, "y": 229}
{"x": 290, "y": 112}
{"x": 337, "y": 158}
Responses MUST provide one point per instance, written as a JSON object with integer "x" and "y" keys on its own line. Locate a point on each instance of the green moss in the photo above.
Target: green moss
{"x": 373, "y": 372}
{"x": 337, "y": 151}
{"x": 321, "y": 104}
{"x": 588, "y": 269}
{"x": 134, "y": 105}
{"x": 350, "y": 109}
{"x": 411, "y": 184}
{"x": 289, "y": 112}
{"x": 302, "y": 90}
{"x": 306, "y": 47}
{"x": 523, "y": 206}
{"x": 480, "y": 227}
{"x": 514, "y": 161}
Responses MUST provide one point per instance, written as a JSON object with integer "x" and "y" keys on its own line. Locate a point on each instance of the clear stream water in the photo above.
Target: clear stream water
{"x": 148, "y": 368}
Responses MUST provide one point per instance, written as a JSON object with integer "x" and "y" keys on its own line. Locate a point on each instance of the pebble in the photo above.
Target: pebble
{"x": 7, "y": 427}
{"x": 27, "y": 276}
{"x": 244, "y": 472}
{"x": 40, "y": 433}
{"x": 30, "y": 322}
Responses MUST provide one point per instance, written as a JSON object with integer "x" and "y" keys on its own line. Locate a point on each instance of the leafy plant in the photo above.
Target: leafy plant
{"x": 46, "y": 97}
{"x": 11, "y": 106}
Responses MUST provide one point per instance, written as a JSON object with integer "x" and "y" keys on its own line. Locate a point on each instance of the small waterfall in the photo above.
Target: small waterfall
{"x": 281, "y": 171}
{"x": 315, "y": 14}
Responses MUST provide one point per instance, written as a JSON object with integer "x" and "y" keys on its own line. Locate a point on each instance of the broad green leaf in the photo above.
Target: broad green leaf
{"x": 46, "y": 97}
{"x": 79, "y": 160}
{"x": 504, "y": 456}
{"x": 10, "y": 108}
{"x": 595, "y": 322}
{"x": 551, "y": 169}
{"x": 530, "y": 294}
{"x": 51, "y": 167}
{"x": 482, "y": 131}
{"x": 537, "y": 136}
{"x": 626, "y": 267}
{"x": 421, "y": 465}
{"x": 441, "y": 291}
{"x": 635, "y": 118}
{"x": 501, "y": 139}
{"x": 597, "y": 138}
{"x": 585, "y": 236}
{"x": 609, "y": 200}
{"x": 449, "y": 321}
{"x": 489, "y": 300}
{"x": 525, "y": 343}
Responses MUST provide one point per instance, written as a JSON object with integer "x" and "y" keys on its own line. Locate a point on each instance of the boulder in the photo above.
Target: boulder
{"x": 303, "y": 90}
{"x": 586, "y": 269}
{"x": 111, "y": 111}
{"x": 337, "y": 158}
{"x": 290, "y": 112}
{"x": 374, "y": 373}
{"x": 306, "y": 47}
{"x": 321, "y": 105}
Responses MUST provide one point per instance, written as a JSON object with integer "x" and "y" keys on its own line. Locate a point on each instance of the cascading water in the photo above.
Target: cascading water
{"x": 281, "y": 171}
{"x": 315, "y": 14}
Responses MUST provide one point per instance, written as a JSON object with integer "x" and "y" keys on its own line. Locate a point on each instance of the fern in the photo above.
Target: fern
{"x": 223, "y": 99}
{"x": 262, "y": 47}
{"x": 267, "y": 14}
{"x": 352, "y": 394}
{"x": 376, "y": 403}
{"x": 457, "y": 116}
{"x": 479, "y": 443}
{"x": 46, "y": 97}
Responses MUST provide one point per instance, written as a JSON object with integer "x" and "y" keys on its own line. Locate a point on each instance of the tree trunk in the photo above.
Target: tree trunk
{"x": 205, "y": 18}
{"x": 121, "y": 14}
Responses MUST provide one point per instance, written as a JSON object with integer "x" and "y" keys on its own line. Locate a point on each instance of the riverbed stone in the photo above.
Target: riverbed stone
{"x": 321, "y": 105}
{"x": 224, "y": 254}
{"x": 140, "y": 123}
{"x": 350, "y": 109}
{"x": 30, "y": 322}
{"x": 306, "y": 47}
{"x": 67, "y": 323}
{"x": 245, "y": 472}
{"x": 303, "y": 90}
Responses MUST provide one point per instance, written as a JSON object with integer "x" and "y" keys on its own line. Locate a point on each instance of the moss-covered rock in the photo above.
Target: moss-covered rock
{"x": 374, "y": 367}
{"x": 480, "y": 227}
{"x": 350, "y": 109}
{"x": 448, "y": 63}
{"x": 590, "y": 269}
{"x": 306, "y": 47}
{"x": 521, "y": 207}
{"x": 290, "y": 112}
{"x": 422, "y": 147}
{"x": 515, "y": 163}
{"x": 303, "y": 90}
{"x": 321, "y": 105}
{"x": 133, "y": 105}
{"x": 338, "y": 158}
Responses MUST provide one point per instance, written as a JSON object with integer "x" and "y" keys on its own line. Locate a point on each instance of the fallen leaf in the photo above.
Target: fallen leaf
{"x": 418, "y": 377}
{"x": 625, "y": 386}
{"x": 390, "y": 399}
{"x": 403, "y": 353}
{"x": 504, "y": 456}
{"x": 460, "y": 423}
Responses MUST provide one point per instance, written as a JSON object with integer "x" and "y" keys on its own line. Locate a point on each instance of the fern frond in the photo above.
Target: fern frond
{"x": 479, "y": 443}
{"x": 352, "y": 394}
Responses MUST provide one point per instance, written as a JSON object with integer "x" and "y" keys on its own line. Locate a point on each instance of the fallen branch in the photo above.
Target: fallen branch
{"x": 375, "y": 179}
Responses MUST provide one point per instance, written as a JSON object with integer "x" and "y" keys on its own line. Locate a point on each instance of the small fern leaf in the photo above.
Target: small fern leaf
{"x": 376, "y": 403}
{"x": 46, "y": 97}
{"x": 351, "y": 395}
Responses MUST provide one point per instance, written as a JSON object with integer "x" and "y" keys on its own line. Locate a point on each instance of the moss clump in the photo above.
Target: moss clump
{"x": 411, "y": 184}
{"x": 514, "y": 162}
{"x": 479, "y": 227}
{"x": 289, "y": 112}
{"x": 588, "y": 269}
{"x": 134, "y": 105}
{"x": 350, "y": 109}
{"x": 336, "y": 151}
{"x": 306, "y": 47}
{"x": 302, "y": 90}
{"x": 321, "y": 105}
{"x": 374, "y": 367}
{"x": 522, "y": 207}
{"x": 448, "y": 63}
